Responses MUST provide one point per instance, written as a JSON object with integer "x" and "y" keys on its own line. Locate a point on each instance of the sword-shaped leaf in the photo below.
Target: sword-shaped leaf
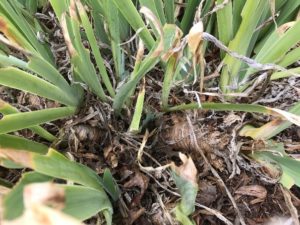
{"x": 18, "y": 121}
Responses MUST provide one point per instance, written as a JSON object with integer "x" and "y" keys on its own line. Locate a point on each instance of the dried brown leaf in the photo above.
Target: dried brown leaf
{"x": 150, "y": 17}
{"x": 47, "y": 193}
{"x": 43, "y": 215}
{"x": 37, "y": 198}
{"x": 293, "y": 118}
{"x": 134, "y": 215}
{"x": 140, "y": 52}
{"x": 284, "y": 27}
{"x": 207, "y": 193}
{"x": 110, "y": 156}
{"x": 195, "y": 43}
{"x": 194, "y": 38}
{"x": 138, "y": 180}
{"x": 23, "y": 158}
{"x": 73, "y": 10}
{"x": 231, "y": 118}
{"x": 13, "y": 45}
{"x": 176, "y": 49}
{"x": 66, "y": 35}
{"x": 257, "y": 191}
{"x": 5, "y": 29}
{"x": 187, "y": 170}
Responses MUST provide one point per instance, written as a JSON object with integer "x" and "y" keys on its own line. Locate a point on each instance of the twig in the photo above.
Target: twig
{"x": 251, "y": 62}
{"x": 162, "y": 205}
{"x": 275, "y": 99}
{"x": 234, "y": 151}
{"x": 217, "y": 8}
{"x": 289, "y": 204}
{"x": 140, "y": 154}
{"x": 216, "y": 213}
{"x": 148, "y": 170}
